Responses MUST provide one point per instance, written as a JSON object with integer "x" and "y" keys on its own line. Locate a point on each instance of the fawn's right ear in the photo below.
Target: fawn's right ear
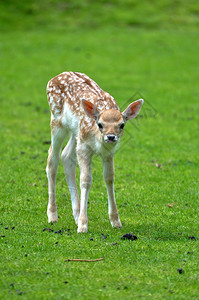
{"x": 90, "y": 109}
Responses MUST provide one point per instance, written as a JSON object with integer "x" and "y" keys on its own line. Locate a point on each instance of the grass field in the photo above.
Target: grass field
{"x": 130, "y": 49}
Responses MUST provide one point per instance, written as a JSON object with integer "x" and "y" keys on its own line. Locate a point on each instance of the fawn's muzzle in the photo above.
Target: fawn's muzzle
{"x": 110, "y": 138}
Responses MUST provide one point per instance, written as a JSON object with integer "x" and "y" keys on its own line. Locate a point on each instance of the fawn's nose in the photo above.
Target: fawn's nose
{"x": 111, "y": 138}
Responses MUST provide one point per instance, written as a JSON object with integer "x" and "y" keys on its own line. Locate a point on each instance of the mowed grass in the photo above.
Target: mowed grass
{"x": 156, "y": 166}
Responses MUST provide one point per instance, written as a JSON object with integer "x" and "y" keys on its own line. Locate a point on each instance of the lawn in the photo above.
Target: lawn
{"x": 131, "y": 50}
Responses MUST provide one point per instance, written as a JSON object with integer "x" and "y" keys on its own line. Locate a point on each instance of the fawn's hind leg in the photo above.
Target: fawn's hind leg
{"x": 57, "y": 136}
{"x": 69, "y": 162}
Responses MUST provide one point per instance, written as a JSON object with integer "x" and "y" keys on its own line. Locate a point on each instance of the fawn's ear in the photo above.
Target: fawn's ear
{"x": 90, "y": 109}
{"x": 132, "y": 110}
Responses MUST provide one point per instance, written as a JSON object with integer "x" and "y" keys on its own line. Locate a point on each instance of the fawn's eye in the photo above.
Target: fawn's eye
{"x": 122, "y": 126}
{"x": 100, "y": 125}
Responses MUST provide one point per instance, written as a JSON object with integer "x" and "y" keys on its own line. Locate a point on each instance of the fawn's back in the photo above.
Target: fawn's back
{"x": 65, "y": 94}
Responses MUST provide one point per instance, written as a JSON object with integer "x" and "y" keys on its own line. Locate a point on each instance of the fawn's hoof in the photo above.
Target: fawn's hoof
{"x": 52, "y": 217}
{"x": 115, "y": 222}
{"x": 82, "y": 224}
{"x": 82, "y": 229}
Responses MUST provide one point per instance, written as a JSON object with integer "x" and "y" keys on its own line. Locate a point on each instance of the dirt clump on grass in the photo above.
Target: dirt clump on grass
{"x": 129, "y": 236}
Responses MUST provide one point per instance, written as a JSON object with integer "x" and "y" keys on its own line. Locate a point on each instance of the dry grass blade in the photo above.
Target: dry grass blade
{"x": 86, "y": 260}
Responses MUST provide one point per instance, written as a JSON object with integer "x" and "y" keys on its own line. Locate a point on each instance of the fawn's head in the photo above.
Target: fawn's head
{"x": 111, "y": 122}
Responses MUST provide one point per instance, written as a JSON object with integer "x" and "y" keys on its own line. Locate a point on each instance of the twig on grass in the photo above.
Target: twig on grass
{"x": 86, "y": 260}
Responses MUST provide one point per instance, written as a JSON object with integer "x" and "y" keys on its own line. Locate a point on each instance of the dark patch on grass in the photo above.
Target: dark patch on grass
{"x": 48, "y": 229}
{"x": 26, "y": 103}
{"x": 37, "y": 108}
{"x": 115, "y": 244}
{"x": 124, "y": 204}
{"x": 34, "y": 157}
{"x": 19, "y": 292}
{"x": 46, "y": 142}
{"x": 129, "y": 236}
{"x": 104, "y": 236}
{"x": 193, "y": 238}
{"x": 60, "y": 231}
{"x": 180, "y": 271}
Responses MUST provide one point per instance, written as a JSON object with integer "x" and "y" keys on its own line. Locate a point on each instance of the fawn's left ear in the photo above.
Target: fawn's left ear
{"x": 90, "y": 109}
{"x": 132, "y": 110}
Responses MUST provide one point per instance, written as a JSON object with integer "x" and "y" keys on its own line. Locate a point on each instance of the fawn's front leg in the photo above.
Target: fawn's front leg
{"x": 108, "y": 173}
{"x": 84, "y": 159}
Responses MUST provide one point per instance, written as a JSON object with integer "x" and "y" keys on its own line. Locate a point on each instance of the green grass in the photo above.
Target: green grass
{"x": 156, "y": 164}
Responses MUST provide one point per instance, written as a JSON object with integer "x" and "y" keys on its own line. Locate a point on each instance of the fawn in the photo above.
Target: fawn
{"x": 93, "y": 119}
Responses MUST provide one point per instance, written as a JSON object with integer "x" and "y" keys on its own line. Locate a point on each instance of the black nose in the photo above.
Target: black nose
{"x": 111, "y": 137}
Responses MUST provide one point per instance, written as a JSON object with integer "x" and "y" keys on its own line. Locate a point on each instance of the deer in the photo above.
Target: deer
{"x": 91, "y": 116}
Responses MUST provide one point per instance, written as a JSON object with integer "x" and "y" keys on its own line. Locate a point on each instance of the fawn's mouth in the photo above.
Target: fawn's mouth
{"x": 110, "y": 139}
{"x": 110, "y": 142}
